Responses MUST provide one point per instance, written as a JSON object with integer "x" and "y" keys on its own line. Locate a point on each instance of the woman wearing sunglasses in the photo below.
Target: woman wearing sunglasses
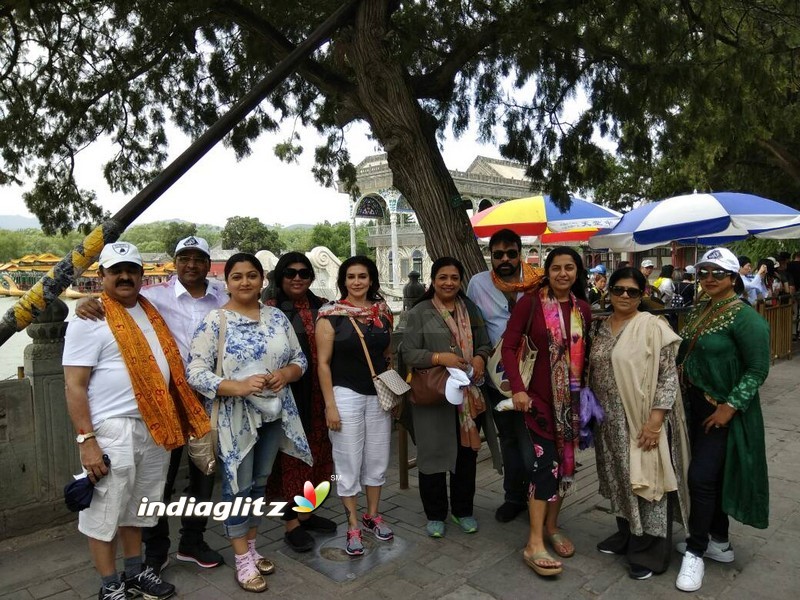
{"x": 559, "y": 318}
{"x": 293, "y": 276}
{"x": 641, "y": 445}
{"x": 725, "y": 359}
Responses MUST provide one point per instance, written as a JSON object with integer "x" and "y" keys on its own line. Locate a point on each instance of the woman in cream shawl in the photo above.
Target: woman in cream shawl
{"x": 641, "y": 446}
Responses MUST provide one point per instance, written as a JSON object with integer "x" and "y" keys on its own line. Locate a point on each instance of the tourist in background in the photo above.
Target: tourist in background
{"x": 724, "y": 358}
{"x": 560, "y": 330}
{"x": 293, "y": 277}
{"x": 360, "y": 430}
{"x": 446, "y": 328}
{"x": 641, "y": 445}
{"x": 260, "y": 357}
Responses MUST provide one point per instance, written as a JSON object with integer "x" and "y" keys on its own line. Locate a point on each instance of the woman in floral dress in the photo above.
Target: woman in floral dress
{"x": 641, "y": 445}
{"x": 257, "y": 412}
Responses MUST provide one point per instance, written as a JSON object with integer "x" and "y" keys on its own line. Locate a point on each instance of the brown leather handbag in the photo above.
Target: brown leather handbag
{"x": 427, "y": 386}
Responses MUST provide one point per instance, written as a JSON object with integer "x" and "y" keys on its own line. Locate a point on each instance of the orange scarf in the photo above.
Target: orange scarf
{"x": 173, "y": 414}
{"x": 531, "y": 277}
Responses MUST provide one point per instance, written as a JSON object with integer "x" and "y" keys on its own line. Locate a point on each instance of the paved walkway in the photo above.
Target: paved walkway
{"x": 55, "y": 563}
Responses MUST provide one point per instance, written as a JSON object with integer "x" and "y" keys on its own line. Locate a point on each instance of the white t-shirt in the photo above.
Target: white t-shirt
{"x": 91, "y": 344}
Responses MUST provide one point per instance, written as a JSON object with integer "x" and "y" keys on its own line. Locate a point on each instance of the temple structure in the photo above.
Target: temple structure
{"x": 397, "y": 238}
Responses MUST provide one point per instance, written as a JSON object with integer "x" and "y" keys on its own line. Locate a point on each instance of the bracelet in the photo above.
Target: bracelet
{"x": 435, "y": 359}
{"x": 654, "y": 430}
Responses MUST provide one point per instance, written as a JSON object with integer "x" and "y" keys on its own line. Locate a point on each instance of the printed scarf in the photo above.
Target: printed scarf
{"x": 473, "y": 404}
{"x": 371, "y": 315}
{"x": 171, "y": 414}
{"x": 566, "y": 371}
{"x": 531, "y": 277}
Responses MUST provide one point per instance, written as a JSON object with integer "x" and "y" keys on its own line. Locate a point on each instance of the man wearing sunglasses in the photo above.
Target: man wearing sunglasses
{"x": 183, "y": 300}
{"x": 496, "y": 292}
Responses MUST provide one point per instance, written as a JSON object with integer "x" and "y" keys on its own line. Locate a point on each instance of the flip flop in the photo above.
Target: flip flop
{"x": 540, "y": 569}
{"x": 561, "y": 544}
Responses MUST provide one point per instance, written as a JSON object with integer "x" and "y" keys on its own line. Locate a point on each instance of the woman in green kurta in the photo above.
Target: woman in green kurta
{"x": 725, "y": 359}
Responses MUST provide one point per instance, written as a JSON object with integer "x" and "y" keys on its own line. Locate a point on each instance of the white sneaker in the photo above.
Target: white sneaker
{"x": 690, "y": 578}
{"x": 718, "y": 551}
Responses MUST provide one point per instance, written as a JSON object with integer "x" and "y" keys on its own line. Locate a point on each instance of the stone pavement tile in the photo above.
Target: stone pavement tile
{"x": 84, "y": 581}
{"x": 22, "y": 594}
{"x": 409, "y": 517}
{"x": 48, "y": 588}
{"x": 184, "y": 576}
{"x": 466, "y": 592}
{"x": 419, "y": 573}
{"x": 67, "y": 595}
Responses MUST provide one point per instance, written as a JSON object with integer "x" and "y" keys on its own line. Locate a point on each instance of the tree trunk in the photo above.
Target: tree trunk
{"x": 408, "y": 135}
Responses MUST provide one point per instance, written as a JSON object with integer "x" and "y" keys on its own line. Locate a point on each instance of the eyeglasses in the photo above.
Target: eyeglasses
{"x": 619, "y": 290}
{"x": 304, "y": 273}
{"x": 499, "y": 254}
{"x": 718, "y": 274}
{"x": 185, "y": 260}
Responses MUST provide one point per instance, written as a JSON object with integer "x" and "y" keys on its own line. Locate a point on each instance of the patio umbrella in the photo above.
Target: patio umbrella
{"x": 692, "y": 218}
{"x": 532, "y": 216}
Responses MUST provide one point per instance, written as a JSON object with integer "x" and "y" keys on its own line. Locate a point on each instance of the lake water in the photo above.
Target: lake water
{"x": 11, "y": 351}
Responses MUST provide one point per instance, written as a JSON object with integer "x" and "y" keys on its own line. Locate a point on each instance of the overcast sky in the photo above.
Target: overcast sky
{"x": 260, "y": 186}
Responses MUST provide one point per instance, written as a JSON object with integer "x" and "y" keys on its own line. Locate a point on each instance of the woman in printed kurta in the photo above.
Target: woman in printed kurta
{"x": 293, "y": 277}
{"x": 641, "y": 445}
{"x": 725, "y": 359}
{"x": 257, "y": 413}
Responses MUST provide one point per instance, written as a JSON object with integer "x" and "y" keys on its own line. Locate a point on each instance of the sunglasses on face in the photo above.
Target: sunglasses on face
{"x": 304, "y": 273}
{"x": 718, "y": 274}
{"x": 632, "y": 292}
{"x": 185, "y": 260}
{"x": 499, "y": 254}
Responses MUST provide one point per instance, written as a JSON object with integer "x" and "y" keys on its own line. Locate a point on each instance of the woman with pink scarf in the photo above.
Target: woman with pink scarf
{"x": 559, "y": 318}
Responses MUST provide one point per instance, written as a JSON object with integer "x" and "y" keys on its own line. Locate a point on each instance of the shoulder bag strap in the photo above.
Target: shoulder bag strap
{"x": 363, "y": 345}
{"x": 223, "y": 330}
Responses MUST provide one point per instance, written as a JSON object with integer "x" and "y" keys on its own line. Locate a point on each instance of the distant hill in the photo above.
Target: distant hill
{"x": 17, "y": 222}
{"x": 298, "y": 226}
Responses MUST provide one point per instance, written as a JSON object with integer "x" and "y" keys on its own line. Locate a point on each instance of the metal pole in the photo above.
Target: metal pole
{"x": 63, "y": 274}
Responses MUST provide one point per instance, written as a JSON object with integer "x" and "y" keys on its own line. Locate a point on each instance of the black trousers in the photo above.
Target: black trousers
{"x": 511, "y": 430}
{"x": 433, "y": 486}
{"x": 156, "y": 538}
{"x": 705, "y": 476}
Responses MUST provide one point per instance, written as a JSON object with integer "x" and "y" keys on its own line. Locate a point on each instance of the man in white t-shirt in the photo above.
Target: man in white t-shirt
{"x": 106, "y": 414}
{"x": 184, "y": 300}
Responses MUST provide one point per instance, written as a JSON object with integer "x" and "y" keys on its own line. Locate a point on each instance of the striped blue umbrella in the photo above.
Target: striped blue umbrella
{"x": 699, "y": 218}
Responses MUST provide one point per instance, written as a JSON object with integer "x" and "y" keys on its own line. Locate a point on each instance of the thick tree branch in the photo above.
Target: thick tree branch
{"x": 438, "y": 84}
{"x": 327, "y": 81}
{"x": 787, "y": 163}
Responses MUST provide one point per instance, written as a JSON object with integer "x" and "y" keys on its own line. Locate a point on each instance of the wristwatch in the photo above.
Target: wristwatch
{"x": 82, "y": 437}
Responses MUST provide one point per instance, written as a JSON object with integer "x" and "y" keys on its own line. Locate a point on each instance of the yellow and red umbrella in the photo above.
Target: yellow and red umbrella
{"x": 537, "y": 214}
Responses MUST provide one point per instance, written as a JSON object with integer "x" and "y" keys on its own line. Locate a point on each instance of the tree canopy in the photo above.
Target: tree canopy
{"x": 248, "y": 234}
{"x": 692, "y": 94}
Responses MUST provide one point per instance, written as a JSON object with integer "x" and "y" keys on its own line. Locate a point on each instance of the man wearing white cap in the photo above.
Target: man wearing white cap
{"x": 184, "y": 300}
{"x": 115, "y": 370}
{"x": 646, "y": 268}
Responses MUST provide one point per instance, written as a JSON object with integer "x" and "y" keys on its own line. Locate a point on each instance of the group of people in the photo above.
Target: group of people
{"x": 290, "y": 385}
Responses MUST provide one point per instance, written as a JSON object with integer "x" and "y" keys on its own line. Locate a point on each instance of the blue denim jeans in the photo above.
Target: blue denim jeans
{"x": 252, "y": 476}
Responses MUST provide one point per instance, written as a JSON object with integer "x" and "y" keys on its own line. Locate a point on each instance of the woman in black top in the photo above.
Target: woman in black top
{"x": 360, "y": 430}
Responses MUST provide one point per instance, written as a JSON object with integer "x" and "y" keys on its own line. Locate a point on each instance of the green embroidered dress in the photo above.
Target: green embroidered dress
{"x": 729, "y": 361}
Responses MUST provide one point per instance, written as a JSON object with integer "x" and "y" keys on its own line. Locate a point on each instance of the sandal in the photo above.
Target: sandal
{"x": 541, "y": 569}
{"x": 561, "y": 544}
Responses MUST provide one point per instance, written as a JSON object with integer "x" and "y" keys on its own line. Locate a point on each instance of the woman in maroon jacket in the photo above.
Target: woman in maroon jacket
{"x": 559, "y": 329}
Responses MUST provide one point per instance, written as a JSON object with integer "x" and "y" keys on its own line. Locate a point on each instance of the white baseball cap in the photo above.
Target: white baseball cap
{"x": 722, "y": 258}
{"x": 648, "y": 263}
{"x": 193, "y": 243}
{"x": 119, "y": 252}
{"x": 690, "y": 269}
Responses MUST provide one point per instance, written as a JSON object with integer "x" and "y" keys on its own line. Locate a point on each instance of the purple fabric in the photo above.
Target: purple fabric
{"x": 591, "y": 414}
